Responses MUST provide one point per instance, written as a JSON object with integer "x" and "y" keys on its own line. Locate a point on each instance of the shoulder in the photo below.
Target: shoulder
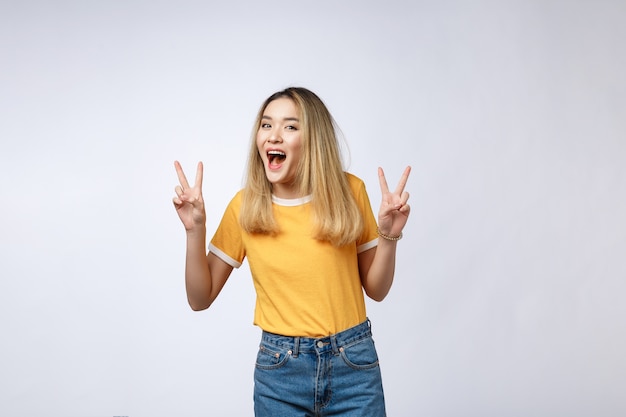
{"x": 235, "y": 202}
{"x": 353, "y": 179}
{"x": 238, "y": 196}
{"x": 356, "y": 183}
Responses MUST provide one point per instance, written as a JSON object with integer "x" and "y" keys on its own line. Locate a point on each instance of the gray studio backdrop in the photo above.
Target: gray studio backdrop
{"x": 511, "y": 275}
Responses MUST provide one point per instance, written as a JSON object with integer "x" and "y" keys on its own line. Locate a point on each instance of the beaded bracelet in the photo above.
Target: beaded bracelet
{"x": 386, "y": 237}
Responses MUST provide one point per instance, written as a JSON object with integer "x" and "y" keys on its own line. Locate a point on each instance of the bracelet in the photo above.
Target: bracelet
{"x": 386, "y": 237}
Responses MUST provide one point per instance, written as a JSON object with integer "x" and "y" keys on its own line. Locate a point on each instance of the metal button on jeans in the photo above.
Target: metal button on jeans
{"x": 320, "y": 344}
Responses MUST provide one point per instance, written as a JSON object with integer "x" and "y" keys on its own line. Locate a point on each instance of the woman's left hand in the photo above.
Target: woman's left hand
{"x": 394, "y": 210}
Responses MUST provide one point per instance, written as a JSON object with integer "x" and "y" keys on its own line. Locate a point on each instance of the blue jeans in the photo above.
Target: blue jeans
{"x": 336, "y": 375}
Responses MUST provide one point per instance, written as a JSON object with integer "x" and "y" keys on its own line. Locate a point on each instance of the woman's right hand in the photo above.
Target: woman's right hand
{"x": 188, "y": 202}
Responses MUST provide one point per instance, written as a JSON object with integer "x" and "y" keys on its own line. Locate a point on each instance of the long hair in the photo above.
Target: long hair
{"x": 336, "y": 216}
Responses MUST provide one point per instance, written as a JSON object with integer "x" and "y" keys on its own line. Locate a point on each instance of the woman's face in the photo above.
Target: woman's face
{"x": 279, "y": 141}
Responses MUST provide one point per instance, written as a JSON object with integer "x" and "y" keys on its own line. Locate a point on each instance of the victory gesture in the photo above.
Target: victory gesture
{"x": 394, "y": 210}
{"x": 188, "y": 201}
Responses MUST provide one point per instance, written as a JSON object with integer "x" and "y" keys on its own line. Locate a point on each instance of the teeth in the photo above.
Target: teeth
{"x": 279, "y": 153}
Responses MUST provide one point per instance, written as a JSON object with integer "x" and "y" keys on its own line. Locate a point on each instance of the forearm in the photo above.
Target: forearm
{"x": 379, "y": 276}
{"x": 377, "y": 266}
{"x": 197, "y": 273}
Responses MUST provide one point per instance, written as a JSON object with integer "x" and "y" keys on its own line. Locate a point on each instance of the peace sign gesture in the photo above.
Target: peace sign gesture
{"x": 188, "y": 201}
{"x": 394, "y": 210}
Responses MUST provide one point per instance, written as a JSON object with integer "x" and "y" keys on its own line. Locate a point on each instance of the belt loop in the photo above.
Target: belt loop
{"x": 333, "y": 343}
{"x": 296, "y": 346}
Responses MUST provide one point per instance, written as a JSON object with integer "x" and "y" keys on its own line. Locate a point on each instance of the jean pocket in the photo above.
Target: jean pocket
{"x": 360, "y": 355}
{"x": 271, "y": 357}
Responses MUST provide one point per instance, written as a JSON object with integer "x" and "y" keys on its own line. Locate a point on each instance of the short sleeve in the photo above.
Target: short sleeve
{"x": 227, "y": 242}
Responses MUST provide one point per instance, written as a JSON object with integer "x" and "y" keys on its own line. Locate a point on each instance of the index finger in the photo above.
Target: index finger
{"x": 403, "y": 179}
{"x": 383, "y": 182}
{"x": 181, "y": 175}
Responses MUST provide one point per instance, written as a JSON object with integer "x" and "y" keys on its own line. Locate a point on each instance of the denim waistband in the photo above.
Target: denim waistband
{"x": 332, "y": 343}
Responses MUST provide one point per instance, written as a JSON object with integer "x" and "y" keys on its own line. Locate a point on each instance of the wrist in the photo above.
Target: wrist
{"x": 196, "y": 232}
{"x": 391, "y": 238}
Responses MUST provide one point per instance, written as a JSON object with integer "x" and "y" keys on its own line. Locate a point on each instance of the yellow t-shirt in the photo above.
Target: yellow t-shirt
{"x": 304, "y": 287}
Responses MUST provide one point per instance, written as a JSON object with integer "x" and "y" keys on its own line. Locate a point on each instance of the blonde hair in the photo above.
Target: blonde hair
{"x": 336, "y": 216}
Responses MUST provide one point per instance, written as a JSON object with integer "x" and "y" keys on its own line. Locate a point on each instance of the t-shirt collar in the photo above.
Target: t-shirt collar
{"x": 291, "y": 202}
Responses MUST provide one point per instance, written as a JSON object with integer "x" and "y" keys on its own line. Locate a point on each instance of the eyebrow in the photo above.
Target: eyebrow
{"x": 286, "y": 119}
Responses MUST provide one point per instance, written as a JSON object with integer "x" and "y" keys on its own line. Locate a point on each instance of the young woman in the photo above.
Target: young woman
{"x": 313, "y": 247}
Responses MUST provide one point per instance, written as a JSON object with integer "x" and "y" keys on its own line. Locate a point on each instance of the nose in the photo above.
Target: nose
{"x": 274, "y": 137}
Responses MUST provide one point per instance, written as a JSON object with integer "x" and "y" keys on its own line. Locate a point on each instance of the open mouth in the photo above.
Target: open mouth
{"x": 276, "y": 157}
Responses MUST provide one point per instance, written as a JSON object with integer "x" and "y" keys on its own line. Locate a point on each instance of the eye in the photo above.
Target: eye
{"x": 291, "y": 127}
{"x": 265, "y": 126}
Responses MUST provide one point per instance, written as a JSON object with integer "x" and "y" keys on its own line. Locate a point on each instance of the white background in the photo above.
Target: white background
{"x": 511, "y": 275}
